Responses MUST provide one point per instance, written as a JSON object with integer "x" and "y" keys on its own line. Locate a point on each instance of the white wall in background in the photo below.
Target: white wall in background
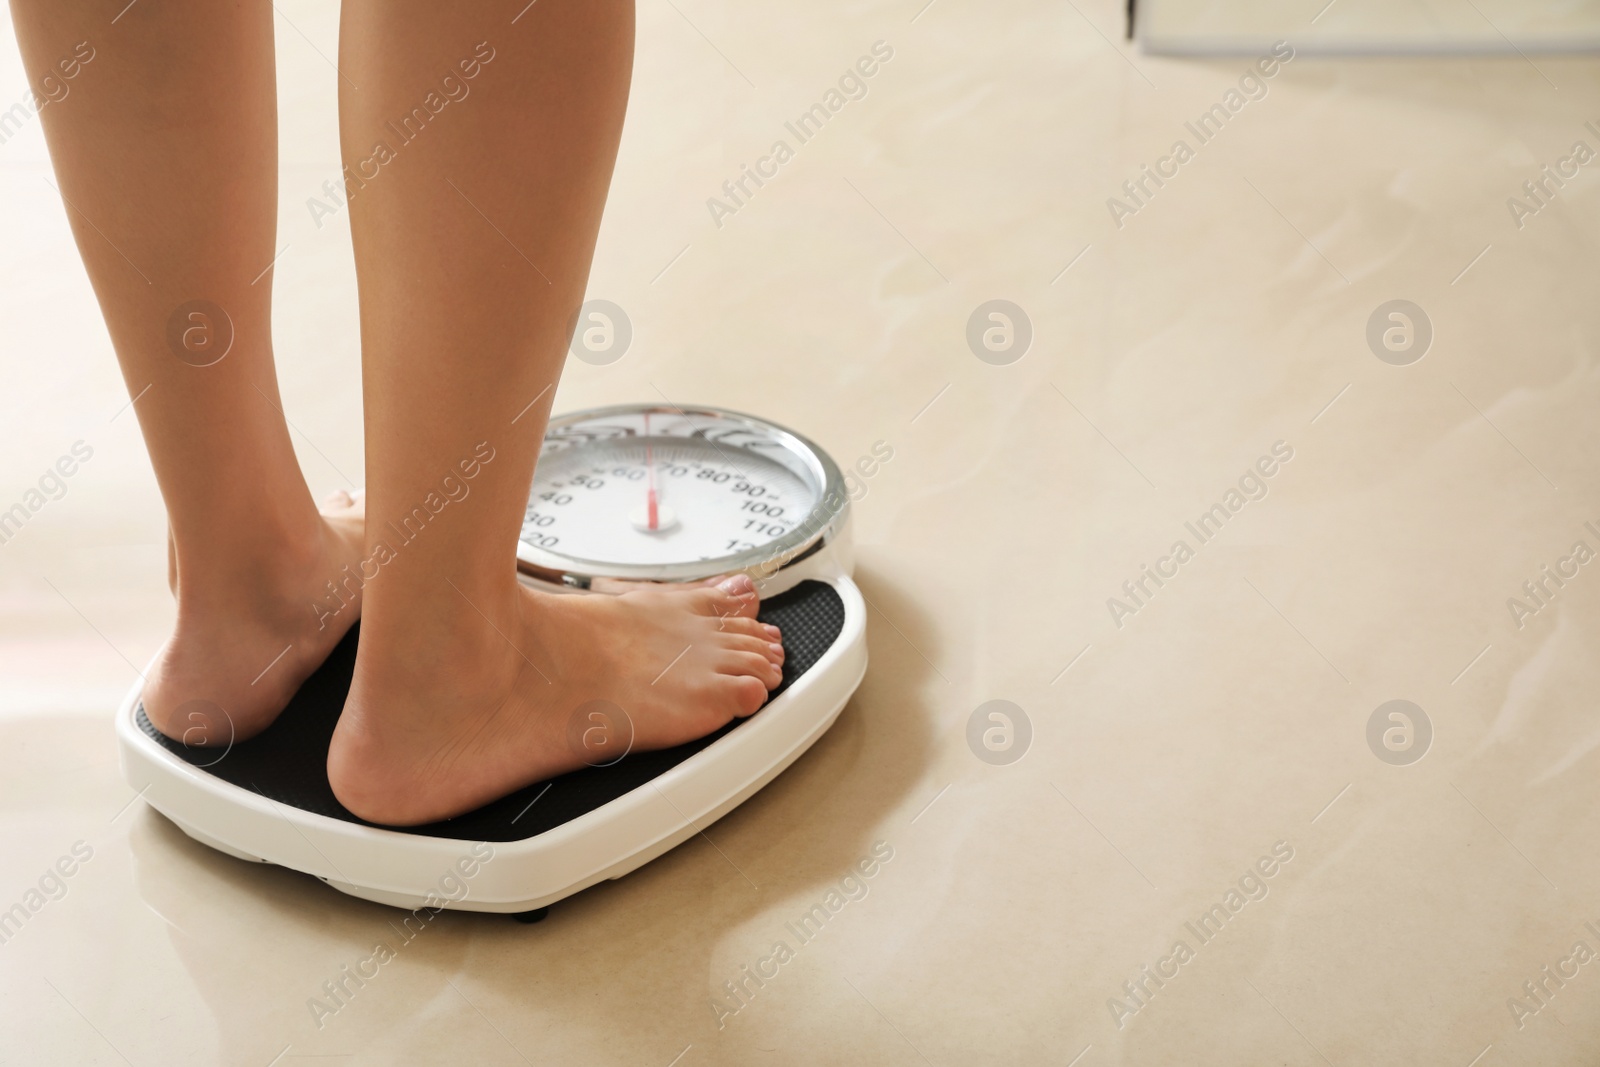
{"x": 1393, "y": 27}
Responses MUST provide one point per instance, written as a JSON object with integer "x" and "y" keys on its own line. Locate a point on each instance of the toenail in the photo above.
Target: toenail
{"x": 738, "y": 585}
{"x": 777, "y": 649}
{"x": 771, "y": 631}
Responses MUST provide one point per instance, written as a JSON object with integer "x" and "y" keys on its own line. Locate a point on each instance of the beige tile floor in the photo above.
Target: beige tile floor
{"x": 1228, "y": 716}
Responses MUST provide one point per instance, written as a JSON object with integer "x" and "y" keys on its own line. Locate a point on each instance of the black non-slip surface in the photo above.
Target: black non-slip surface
{"x": 288, "y": 762}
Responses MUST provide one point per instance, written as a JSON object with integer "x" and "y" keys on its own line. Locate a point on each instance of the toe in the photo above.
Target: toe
{"x": 747, "y": 693}
{"x": 753, "y": 664}
{"x": 745, "y": 626}
{"x": 734, "y": 596}
{"x": 343, "y": 504}
{"x": 771, "y": 651}
{"x": 623, "y": 585}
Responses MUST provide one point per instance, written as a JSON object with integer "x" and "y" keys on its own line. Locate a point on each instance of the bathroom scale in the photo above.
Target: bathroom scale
{"x": 631, "y": 492}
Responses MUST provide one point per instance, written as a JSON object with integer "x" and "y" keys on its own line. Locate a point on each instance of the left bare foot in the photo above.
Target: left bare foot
{"x": 244, "y": 642}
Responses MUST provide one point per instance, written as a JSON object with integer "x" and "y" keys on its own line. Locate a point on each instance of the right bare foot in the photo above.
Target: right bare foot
{"x": 246, "y": 640}
{"x": 419, "y": 742}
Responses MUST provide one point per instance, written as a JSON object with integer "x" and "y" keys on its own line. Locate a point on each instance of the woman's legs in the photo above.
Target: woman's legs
{"x": 479, "y": 152}
{"x": 165, "y": 150}
{"x": 474, "y": 233}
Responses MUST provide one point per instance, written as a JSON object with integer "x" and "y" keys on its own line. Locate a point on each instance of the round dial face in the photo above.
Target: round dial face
{"x": 647, "y": 491}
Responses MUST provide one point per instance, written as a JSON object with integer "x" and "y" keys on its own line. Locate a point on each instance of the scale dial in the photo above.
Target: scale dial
{"x": 675, "y": 494}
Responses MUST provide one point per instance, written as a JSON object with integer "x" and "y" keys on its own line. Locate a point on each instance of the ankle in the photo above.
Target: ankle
{"x": 416, "y": 609}
{"x": 433, "y": 652}
{"x": 258, "y": 558}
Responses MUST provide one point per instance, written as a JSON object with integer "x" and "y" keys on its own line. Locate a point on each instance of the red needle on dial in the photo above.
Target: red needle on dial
{"x": 653, "y": 516}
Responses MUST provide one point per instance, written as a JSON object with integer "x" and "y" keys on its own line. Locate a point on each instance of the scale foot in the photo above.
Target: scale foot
{"x": 534, "y": 916}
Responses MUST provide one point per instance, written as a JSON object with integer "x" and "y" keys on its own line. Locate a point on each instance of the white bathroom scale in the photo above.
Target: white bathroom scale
{"x": 640, "y": 492}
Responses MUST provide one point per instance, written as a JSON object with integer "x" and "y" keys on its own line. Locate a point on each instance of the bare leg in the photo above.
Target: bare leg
{"x": 473, "y": 245}
{"x": 165, "y": 150}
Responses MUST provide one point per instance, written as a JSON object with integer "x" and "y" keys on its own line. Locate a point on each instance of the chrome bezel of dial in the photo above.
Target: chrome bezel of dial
{"x": 821, "y": 526}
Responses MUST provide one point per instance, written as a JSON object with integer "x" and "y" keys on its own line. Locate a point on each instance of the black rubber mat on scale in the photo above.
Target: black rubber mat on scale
{"x": 288, "y": 762}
